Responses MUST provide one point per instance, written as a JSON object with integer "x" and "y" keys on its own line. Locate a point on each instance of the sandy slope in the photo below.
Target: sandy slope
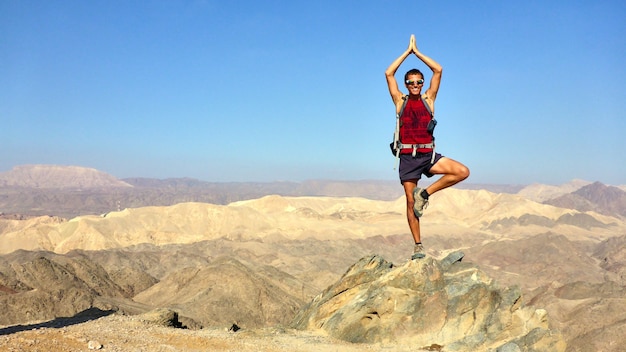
{"x": 451, "y": 211}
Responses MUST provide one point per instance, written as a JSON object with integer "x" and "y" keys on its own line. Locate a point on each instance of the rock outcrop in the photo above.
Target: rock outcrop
{"x": 442, "y": 305}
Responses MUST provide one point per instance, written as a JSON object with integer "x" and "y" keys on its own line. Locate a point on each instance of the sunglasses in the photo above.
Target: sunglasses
{"x": 418, "y": 82}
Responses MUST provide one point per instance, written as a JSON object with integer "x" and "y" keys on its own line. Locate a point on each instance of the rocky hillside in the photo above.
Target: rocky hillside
{"x": 216, "y": 283}
{"x": 425, "y": 305}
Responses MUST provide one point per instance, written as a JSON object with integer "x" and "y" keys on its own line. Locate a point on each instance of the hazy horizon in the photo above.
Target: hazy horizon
{"x": 424, "y": 180}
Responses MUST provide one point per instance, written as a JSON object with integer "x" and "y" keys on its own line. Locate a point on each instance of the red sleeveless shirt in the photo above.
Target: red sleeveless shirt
{"x": 414, "y": 126}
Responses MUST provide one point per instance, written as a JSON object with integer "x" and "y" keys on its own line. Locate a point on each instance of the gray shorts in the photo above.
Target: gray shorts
{"x": 412, "y": 168}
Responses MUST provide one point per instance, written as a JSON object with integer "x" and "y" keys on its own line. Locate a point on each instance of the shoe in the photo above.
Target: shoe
{"x": 418, "y": 252}
{"x": 420, "y": 203}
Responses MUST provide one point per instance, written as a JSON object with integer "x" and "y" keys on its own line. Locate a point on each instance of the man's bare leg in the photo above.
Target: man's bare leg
{"x": 414, "y": 222}
{"x": 453, "y": 172}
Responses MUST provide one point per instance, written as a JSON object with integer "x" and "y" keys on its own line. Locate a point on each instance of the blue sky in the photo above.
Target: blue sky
{"x": 532, "y": 91}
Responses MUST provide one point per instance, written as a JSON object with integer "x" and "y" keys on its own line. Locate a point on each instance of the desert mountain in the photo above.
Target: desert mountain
{"x": 225, "y": 288}
{"x": 63, "y": 177}
{"x": 35, "y": 286}
{"x": 70, "y": 191}
{"x": 603, "y": 199}
{"x": 541, "y": 192}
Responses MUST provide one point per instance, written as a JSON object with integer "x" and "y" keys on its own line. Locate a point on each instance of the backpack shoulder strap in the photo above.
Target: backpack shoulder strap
{"x": 396, "y": 136}
{"x": 427, "y": 106}
{"x": 406, "y": 100}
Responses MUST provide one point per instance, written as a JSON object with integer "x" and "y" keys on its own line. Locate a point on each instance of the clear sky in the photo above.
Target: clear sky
{"x": 532, "y": 91}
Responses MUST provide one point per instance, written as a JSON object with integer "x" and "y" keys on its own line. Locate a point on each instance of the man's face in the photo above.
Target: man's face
{"x": 414, "y": 84}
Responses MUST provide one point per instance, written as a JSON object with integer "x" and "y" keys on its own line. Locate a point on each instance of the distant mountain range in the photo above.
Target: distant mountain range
{"x": 58, "y": 177}
{"x": 594, "y": 197}
{"x": 69, "y": 191}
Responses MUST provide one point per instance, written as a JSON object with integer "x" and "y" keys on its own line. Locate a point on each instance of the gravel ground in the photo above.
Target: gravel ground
{"x": 118, "y": 333}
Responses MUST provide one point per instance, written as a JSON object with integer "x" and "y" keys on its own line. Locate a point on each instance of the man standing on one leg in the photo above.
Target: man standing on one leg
{"x": 417, "y": 143}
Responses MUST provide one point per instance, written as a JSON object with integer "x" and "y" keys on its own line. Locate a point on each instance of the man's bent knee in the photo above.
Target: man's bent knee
{"x": 463, "y": 173}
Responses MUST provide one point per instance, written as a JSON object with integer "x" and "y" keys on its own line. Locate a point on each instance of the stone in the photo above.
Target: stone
{"x": 162, "y": 317}
{"x": 454, "y": 257}
{"x": 94, "y": 345}
{"x": 509, "y": 347}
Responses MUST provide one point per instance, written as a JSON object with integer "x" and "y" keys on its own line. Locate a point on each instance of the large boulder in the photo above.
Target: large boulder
{"x": 443, "y": 305}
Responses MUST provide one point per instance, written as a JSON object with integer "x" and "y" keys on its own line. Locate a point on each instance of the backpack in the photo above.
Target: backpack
{"x": 396, "y": 145}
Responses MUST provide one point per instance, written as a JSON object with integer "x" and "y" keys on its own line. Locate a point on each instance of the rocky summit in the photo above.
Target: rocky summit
{"x": 433, "y": 305}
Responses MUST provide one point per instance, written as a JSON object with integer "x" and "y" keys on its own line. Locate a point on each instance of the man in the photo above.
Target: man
{"x": 416, "y": 155}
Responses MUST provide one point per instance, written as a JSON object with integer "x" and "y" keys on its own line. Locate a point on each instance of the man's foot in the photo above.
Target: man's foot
{"x": 418, "y": 252}
{"x": 420, "y": 202}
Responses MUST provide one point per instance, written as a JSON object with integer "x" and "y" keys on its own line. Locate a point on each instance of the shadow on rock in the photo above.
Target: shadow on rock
{"x": 81, "y": 317}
